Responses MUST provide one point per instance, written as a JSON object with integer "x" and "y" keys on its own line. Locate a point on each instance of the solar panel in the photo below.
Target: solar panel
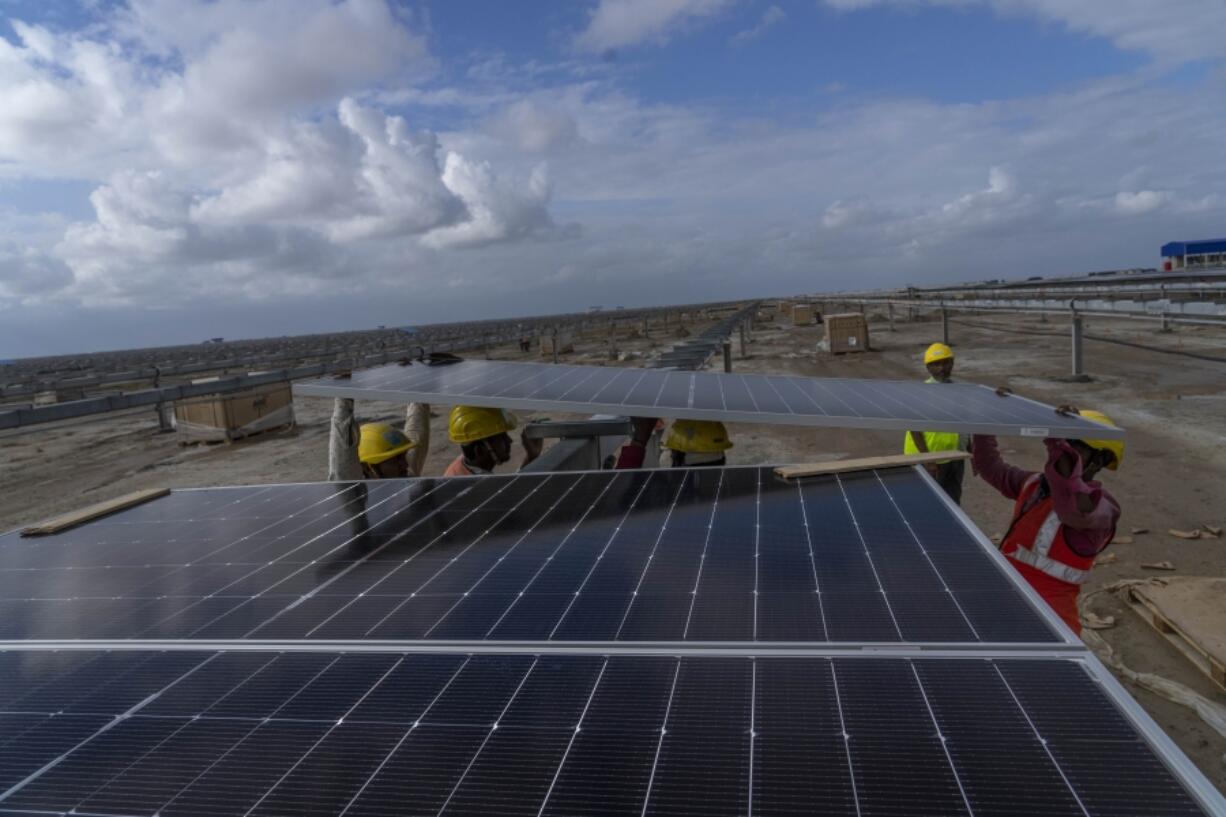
{"x": 382, "y": 733}
{"x": 702, "y": 641}
{"x": 669, "y": 555}
{"x": 806, "y": 401}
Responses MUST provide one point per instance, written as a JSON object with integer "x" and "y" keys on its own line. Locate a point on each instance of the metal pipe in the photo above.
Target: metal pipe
{"x": 743, "y": 352}
{"x": 1078, "y": 367}
{"x": 727, "y": 356}
{"x": 944, "y": 326}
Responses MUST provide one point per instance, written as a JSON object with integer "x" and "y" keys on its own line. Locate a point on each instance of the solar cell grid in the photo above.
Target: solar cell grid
{"x": 372, "y": 734}
{"x": 898, "y": 405}
{"x": 667, "y": 555}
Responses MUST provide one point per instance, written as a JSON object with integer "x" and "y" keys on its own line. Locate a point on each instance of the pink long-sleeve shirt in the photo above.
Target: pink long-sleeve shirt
{"x": 1087, "y": 533}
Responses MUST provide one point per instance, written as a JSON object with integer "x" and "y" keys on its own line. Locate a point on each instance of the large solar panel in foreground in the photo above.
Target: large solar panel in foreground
{"x": 667, "y": 642}
{"x": 670, "y": 555}
{"x": 877, "y": 404}
{"x": 277, "y": 733}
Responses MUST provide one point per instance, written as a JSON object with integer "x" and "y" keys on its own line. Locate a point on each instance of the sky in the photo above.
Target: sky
{"x": 173, "y": 170}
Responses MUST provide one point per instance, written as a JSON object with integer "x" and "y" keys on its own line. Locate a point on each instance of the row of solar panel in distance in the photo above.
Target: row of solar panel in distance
{"x": 695, "y": 352}
{"x": 756, "y": 397}
{"x": 731, "y": 554}
{"x": 265, "y": 733}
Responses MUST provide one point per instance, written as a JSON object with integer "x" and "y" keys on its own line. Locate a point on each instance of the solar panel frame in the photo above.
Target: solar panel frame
{"x": 515, "y": 385}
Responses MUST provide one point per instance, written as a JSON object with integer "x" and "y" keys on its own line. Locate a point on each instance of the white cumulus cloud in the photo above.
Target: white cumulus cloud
{"x": 623, "y": 23}
{"x": 1141, "y": 201}
{"x": 773, "y": 16}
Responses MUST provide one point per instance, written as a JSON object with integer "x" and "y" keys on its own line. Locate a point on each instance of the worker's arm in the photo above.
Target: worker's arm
{"x": 634, "y": 452}
{"x": 343, "y": 462}
{"x": 986, "y": 462}
{"x": 417, "y": 429}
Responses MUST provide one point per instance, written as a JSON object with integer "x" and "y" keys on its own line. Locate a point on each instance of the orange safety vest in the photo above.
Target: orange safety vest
{"x": 457, "y": 468}
{"x": 1035, "y": 545}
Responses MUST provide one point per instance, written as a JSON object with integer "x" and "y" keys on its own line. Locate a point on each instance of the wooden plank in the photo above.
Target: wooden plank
{"x": 92, "y": 512}
{"x": 866, "y": 463}
{"x": 1190, "y": 613}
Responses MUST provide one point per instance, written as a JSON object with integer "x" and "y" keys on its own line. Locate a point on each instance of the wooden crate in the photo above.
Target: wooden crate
{"x": 847, "y": 332}
{"x": 802, "y": 315}
{"x": 565, "y": 345}
{"x": 236, "y": 415}
{"x": 1190, "y": 613}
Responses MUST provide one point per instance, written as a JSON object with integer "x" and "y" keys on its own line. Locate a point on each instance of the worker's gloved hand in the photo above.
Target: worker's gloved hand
{"x": 532, "y": 447}
{"x": 1062, "y": 456}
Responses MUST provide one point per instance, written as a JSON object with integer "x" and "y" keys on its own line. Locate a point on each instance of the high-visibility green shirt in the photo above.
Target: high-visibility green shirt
{"x": 935, "y": 440}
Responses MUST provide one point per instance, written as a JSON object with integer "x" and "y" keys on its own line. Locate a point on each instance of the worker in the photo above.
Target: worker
{"x": 1062, "y": 517}
{"x": 642, "y": 441}
{"x": 697, "y": 443}
{"x": 484, "y": 442}
{"x": 377, "y": 450}
{"x": 939, "y": 360}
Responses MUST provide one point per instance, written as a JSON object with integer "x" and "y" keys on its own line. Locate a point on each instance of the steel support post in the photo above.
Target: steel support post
{"x": 743, "y": 352}
{"x": 727, "y": 356}
{"x": 944, "y": 326}
{"x": 1078, "y": 366}
{"x": 889, "y": 308}
{"x": 165, "y": 412}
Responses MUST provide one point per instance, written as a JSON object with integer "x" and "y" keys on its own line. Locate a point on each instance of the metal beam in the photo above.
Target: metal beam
{"x": 566, "y": 429}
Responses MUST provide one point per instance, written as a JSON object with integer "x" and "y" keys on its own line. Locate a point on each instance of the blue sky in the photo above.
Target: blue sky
{"x": 180, "y": 168}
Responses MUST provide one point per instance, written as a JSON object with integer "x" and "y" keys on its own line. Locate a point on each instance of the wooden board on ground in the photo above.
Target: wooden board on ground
{"x": 92, "y": 512}
{"x": 865, "y": 463}
{"x": 1189, "y": 612}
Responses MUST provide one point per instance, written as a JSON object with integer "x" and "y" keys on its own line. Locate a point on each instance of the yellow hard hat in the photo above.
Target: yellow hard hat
{"x": 380, "y": 442}
{"x": 468, "y": 424}
{"x": 937, "y": 352}
{"x": 1116, "y": 447}
{"x": 698, "y": 437}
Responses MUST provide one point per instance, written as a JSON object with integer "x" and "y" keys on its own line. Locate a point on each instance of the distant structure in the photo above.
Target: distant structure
{"x": 1209, "y": 252}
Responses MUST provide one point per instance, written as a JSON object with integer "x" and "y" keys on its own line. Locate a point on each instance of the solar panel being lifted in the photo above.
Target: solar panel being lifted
{"x": 875, "y": 404}
{"x": 383, "y": 733}
{"x": 670, "y": 555}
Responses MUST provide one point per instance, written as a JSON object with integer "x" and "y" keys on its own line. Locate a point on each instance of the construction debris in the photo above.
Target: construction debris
{"x": 1139, "y": 531}
{"x": 1097, "y": 622}
{"x": 1211, "y": 530}
{"x": 1184, "y": 534}
{"x": 1190, "y": 613}
{"x": 1122, "y": 540}
{"x": 1106, "y": 559}
{"x": 1163, "y": 565}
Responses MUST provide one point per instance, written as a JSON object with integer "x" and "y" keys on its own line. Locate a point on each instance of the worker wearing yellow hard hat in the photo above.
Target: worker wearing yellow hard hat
{"x": 484, "y": 440}
{"x": 1062, "y": 517}
{"x": 377, "y": 450}
{"x": 939, "y": 360}
{"x": 383, "y": 451}
{"x": 697, "y": 443}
